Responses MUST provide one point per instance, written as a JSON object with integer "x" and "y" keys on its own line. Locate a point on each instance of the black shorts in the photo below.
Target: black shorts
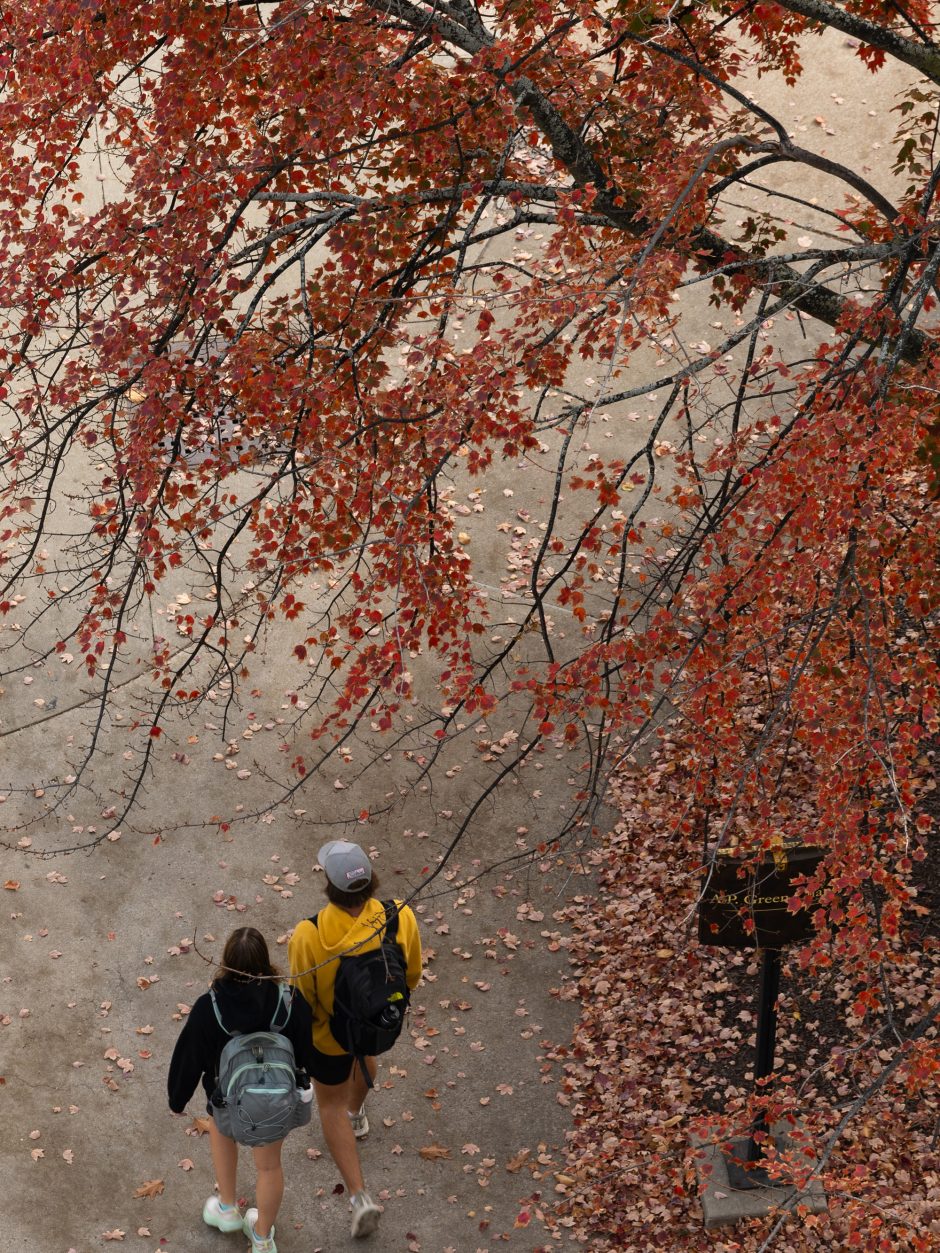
{"x": 331, "y": 1068}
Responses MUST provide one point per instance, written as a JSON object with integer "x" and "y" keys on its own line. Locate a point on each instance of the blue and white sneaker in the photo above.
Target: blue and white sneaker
{"x": 223, "y": 1217}
{"x": 259, "y": 1244}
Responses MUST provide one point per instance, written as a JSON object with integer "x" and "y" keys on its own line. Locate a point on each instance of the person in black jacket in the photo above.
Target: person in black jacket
{"x": 246, "y": 990}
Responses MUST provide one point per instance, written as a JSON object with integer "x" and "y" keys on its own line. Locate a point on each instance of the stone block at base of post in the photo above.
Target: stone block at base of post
{"x": 723, "y": 1204}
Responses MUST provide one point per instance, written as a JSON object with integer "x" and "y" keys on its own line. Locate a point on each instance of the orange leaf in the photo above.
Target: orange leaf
{"x": 153, "y": 1187}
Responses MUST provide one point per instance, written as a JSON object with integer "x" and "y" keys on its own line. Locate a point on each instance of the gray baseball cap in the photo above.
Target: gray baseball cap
{"x": 346, "y": 865}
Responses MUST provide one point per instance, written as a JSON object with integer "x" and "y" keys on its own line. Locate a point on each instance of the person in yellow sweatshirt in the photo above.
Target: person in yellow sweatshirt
{"x": 352, "y": 922}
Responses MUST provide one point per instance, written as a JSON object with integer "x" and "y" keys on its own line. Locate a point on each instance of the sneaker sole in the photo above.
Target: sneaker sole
{"x": 367, "y": 1224}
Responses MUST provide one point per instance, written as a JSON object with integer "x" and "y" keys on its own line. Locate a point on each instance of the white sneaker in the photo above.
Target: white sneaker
{"x": 259, "y": 1244}
{"x": 365, "y": 1215}
{"x": 228, "y": 1218}
{"x": 360, "y": 1123}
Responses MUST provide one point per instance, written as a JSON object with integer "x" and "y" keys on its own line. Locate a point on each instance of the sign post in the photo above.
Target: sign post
{"x": 749, "y": 910}
{"x": 748, "y": 1174}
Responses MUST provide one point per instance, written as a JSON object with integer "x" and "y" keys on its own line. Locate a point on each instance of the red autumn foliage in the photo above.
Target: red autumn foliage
{"x": 255, "y": 372}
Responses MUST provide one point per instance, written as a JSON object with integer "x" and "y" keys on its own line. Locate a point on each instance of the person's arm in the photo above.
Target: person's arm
{"x": 299, "y": 1031}
{"x": 410, "y": 940}
{"x": 188, "y": 1061}
{"x": 302, "y": 958}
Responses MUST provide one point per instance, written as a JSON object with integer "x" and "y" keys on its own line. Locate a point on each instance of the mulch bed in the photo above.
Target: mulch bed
{"x": 665, "y": 1047}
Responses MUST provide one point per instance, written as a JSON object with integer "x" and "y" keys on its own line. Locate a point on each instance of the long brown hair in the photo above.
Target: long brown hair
{"x": 245, "y": 957}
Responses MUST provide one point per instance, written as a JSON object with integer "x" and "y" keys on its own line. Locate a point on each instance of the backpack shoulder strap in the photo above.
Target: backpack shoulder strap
{"x": 391, "y": 921}
{"x": 284, "y": 996}
{"x": 218, "y": 1016}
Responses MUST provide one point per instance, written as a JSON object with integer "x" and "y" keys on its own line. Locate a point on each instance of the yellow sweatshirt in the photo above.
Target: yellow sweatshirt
{"x": 335, "y": 934}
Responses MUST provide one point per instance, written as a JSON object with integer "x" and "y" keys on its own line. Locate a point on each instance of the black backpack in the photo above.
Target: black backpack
{"x": 370, "y": 995}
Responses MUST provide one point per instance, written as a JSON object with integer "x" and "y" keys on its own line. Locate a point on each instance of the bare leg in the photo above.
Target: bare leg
{"x": 356, "y": 1088}
{"x": 333, "y": 1103}
{"x": 225, "y": 1161}
{"x": 270, "y": 1186}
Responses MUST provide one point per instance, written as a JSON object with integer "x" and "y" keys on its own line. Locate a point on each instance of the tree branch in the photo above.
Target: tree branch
{"x": 924, "y": 59}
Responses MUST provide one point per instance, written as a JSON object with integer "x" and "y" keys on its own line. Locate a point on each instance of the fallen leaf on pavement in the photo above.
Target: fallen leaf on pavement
{"x": 152, "y": 1187}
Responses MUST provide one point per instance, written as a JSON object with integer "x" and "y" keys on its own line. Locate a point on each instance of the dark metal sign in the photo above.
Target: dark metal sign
{"x": 749, "y": 910}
